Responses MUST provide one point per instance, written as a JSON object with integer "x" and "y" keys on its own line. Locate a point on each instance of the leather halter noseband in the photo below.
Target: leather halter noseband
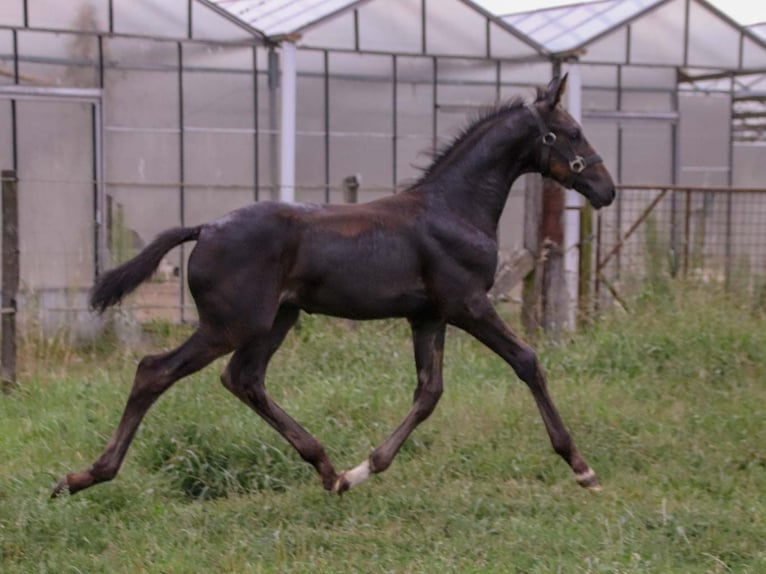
{"x": 577, "y": 165}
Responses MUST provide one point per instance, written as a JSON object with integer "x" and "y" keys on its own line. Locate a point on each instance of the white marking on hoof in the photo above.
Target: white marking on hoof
{"x": 588, "y": 480}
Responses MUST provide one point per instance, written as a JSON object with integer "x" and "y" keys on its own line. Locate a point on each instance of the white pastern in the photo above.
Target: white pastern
{"x": 358, "y": 474}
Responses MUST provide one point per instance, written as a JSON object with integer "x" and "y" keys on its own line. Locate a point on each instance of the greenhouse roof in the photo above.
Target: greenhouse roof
{"x": 569, "y": 27}
{"x": 283, "y": 17}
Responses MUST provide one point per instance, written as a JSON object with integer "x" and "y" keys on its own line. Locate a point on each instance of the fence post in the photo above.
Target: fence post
{"x": 585, "y": 307}
{"x": 10, "y": 280}
{"x": 555, "y": 294}
{"x": 530, "y": 294}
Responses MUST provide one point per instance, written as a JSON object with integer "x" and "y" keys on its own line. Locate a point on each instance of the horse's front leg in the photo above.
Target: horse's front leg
{"x": 481, "y": 320}
{"x": 428, "y": 342}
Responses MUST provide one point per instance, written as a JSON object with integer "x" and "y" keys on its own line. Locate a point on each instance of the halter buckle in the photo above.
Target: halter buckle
{"x": 549, "y": 138}
{"x": 578, "y": 164}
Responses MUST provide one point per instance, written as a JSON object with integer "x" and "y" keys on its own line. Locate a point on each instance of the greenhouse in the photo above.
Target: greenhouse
{"x": 126, "y": 117}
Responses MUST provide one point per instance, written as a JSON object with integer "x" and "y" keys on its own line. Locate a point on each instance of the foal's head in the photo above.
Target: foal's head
{"x": 563, "y": 152}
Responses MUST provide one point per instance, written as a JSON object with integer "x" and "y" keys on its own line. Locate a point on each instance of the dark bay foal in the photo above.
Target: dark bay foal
{"x": 427, "y": 254}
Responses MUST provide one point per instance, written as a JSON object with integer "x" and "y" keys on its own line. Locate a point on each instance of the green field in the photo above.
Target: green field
{"x": 667, "y": 403}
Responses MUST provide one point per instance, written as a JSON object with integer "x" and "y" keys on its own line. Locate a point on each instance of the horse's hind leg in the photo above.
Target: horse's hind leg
{"x": 481, "y": 321}
{"x": 428, "y": 343}
{"x": 245, "y": 378}
{"x": 155, "y": 375}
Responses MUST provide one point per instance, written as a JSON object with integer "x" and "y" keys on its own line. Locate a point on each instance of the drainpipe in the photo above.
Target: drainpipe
{"x": 287, "y": 124}
{"x": 573, "y": 204}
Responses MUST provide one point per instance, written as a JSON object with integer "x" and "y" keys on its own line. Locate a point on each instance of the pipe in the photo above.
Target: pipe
{"x": 288, "y": 114}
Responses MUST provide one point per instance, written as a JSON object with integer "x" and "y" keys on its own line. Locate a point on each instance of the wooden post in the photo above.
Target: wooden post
{"x": 531, "y": 294}
{"x": 10, "y": 280}
{"x": 554, "y": 290}
{"x": 585, "y": 266}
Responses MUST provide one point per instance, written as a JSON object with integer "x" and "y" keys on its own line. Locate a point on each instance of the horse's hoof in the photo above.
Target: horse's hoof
{"x": 61, "y": 486}
{"x": 588, "y": 480}
{"x": 341, "y": 484}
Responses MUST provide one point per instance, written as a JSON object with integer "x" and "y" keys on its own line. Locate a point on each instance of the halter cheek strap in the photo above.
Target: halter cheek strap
{"x": 576, "y": 165}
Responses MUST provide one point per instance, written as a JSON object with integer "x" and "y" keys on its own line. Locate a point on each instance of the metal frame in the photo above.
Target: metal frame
{"x": 93, "y": 97}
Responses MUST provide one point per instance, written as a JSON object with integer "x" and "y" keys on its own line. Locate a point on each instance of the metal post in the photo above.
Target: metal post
{"x": 577, "y": 288}
{"x": 256, "y": 129}
{"x": 287, "y": 127}
{"x": 181, "y": 187}
{"x": 729, "y": 181}
{"x": 394, "y": 120}
{"x": 435, "y": 105}
{"x": 10, "y": 281}
{"x": 326, "y": 126}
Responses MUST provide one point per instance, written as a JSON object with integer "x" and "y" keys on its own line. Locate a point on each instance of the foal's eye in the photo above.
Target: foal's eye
{"x": 575, "y": 135}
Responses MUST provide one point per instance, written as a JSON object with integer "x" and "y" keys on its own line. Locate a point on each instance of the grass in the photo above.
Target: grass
{"x": 667, "y": 403}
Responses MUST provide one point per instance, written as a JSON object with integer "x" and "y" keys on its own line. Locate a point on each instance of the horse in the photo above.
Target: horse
{"x": 427, "y": 254}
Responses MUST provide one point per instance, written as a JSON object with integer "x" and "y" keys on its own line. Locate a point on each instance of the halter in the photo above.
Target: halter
{"x": 577, "y": 165}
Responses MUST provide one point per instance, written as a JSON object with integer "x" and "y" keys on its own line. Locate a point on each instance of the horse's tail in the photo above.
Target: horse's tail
{"x": 113, "y": 285}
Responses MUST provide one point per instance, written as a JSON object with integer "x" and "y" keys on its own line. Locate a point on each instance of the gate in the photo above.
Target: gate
{"x": 53, "y": 140}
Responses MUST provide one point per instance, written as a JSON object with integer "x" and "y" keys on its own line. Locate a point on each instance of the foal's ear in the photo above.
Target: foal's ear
{"x": 552, "y": 94}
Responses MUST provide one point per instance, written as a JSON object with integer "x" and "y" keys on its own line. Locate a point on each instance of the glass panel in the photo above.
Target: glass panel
{"x": 142, "y": 157}
{"x": 310, "y": 104}
{"x": 168, "y": 18}
{"x": 337, "y": 33}
{"x": 599, "y": 76}
{"x": 503, "y": 44}
{"x": 749, "y": 160}
{"x": 413, "y": 154}
{"x": 568, "y": 27}
{"x": 602, "y": 135}
{"x": 206, "y": 56}
{"x": 645, "y": 101}
{"x": 218, "y": 100}
{"x": 55, "y": 147}
{"x": 71, "y": 15}
{"x": 6, "y": 145}
{"x": 712, "y": 42}
{"x": 359, "y": 104}
{"x": 753, "y": 54}
{"x": 139, "y": 53}
{"x": 12, "y": 13}
{"x": 704, "y": 142}
{"x": 58, "y": 59}
{"x": 278, "y": 17}
{"x": 310, "y": 167}
{"x": 208, "y": 204}
{"x": 648, "y": 77}
{"x": 225, "y": 159}
{"x": 414, "y": 101}
{"x": 369, "y": 157}
{"x": 537, "y": 74}
{"x": 136, "y": 98}
{"x": 601, "y": 100}
{"x": 646, "y": 154}
{"x": 211, "y": 26}
{"x": 610, "y": 48}
{"x": 391, "y": 26}
{"x": 454, "y": 28}
{"x": 6, "y": 57}
{"x": 658, "y": 37}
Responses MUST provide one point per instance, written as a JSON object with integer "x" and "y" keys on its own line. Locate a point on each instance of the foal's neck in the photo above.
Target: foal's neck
{"x": 476, "y": 179}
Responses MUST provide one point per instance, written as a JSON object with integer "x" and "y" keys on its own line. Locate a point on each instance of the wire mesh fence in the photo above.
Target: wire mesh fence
{"x": 713, "y": 235}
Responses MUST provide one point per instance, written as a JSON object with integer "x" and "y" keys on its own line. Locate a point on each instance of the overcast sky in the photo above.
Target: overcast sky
{"x": 743, "y": 11}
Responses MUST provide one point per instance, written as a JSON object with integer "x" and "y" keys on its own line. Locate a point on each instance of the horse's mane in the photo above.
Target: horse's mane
{"x": 479, "y": 120}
